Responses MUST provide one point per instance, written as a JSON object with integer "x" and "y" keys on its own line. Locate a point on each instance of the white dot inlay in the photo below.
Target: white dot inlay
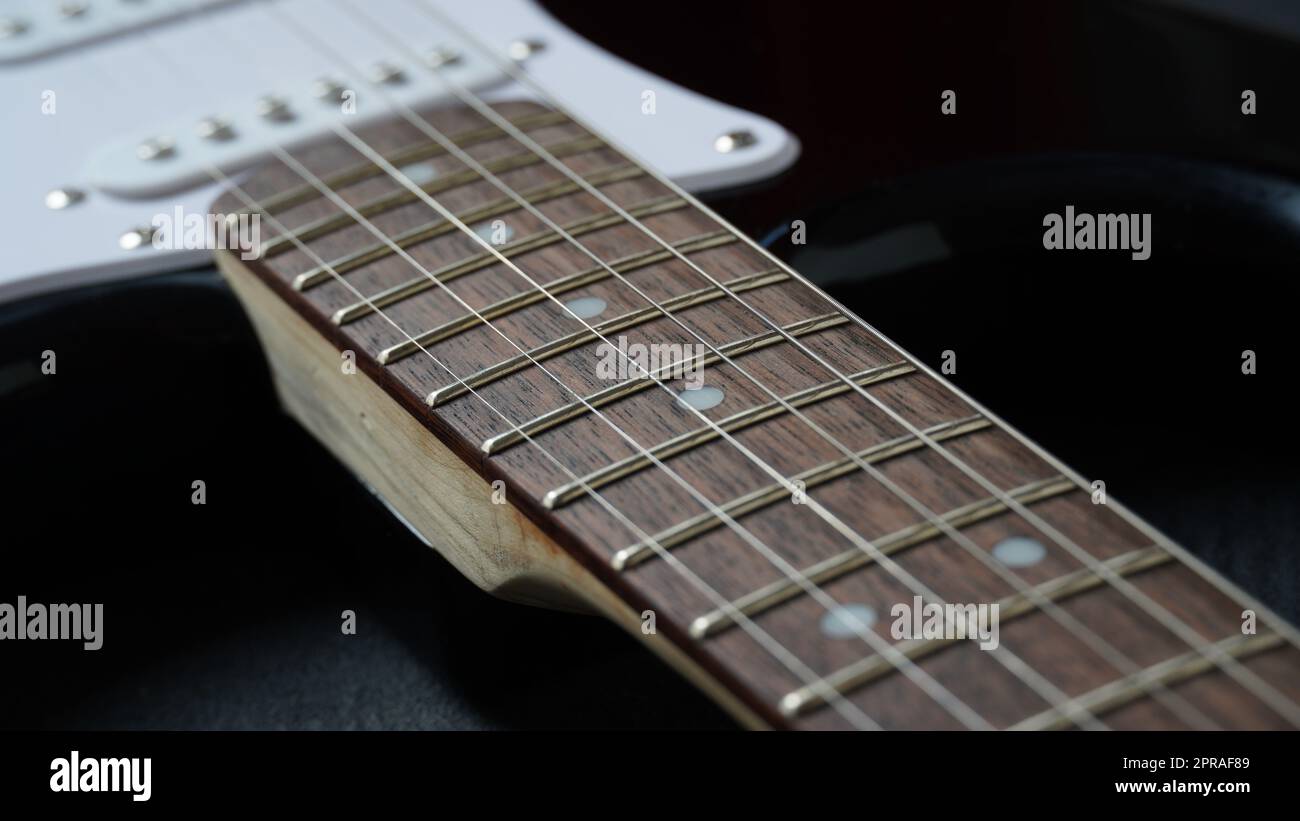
{"x": 1019, "y": 551}
{"x": 701, "y": 398}
{"x": 420, "y": 172}
{"x": 848, "y": 620}
{"x": 585, "y": 307}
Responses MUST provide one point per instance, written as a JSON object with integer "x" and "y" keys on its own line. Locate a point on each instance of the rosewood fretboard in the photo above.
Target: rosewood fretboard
{"x": 1106, "y": 634}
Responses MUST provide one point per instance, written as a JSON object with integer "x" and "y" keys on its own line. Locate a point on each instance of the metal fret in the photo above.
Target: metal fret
{"x": 415, "y": 153}
{"x": 404, "y": 196}
{"x": 622, "y": 390}
{"x": 692, "y": 439}
{"x": 423, "y": 233}
{"x": 765, "y": 496}
{"x": 1116, "y": 694}
{"x": 861, "y": 673}
{"x": 486, "y": 259}
{"x": 770, "y": 595}
{"x": 586, "y": 276}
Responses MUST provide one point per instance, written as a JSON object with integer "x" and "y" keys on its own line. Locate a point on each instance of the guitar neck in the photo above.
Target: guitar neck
{"x": 610, "y": 395}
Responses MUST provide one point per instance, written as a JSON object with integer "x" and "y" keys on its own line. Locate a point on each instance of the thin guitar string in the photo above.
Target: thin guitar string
{"x": 819, "y": 685}
{"x": 1177, "y": 704}
{"x": 1225, "y": 662}
{"x": 779, "y": 652}
{"x": 1185, "y": 710}
{"x": 934, "y": 688}
{"x": 1034, "y": 596}
{"x": 1049, "y": 698}
{"x": 1050, "y": 694}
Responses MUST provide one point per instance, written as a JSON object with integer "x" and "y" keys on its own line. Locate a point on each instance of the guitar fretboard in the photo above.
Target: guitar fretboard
{"x": 830, "y": 482}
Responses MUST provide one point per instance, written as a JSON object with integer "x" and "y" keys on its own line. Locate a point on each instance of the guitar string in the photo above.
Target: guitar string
{"x": 779, "y": 652}
{"x": 971, "y": 718}
{"x": 1031, "y": 596}
{"x": 1247, "y": 679}
{"x": 926, "y": 682}
{"x": 1177, "y": 704}
{"x": 1031, "y": 677}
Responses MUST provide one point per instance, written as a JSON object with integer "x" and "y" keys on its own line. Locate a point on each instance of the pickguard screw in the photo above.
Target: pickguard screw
{"x": 11, "y": 27}
{"x": 135, "y": 238}
{"x": 61, "y": 198}
{"x": 442, "y": 56}
{"x": 156, "y": 148}
{"x": 521, "y": 50}
{"x": 386, "y": 73}
{"x": 214, "y": 128}
{"x": 274, "y": 108}
{"x": 734, "y": 140}
{"x": 328, "y": 89}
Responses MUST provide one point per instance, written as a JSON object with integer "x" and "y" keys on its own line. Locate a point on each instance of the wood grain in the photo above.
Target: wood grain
{"x": 396, "y": 446}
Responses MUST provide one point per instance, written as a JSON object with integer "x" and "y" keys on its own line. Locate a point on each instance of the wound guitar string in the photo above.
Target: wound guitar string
{"x": 940, "y": 693}
{"x": 544, "y": 369}
{"x": 1229, "y": 665}
{"x": 1179, "y": 705}
{"x": 1047, "y": 691}
{"x": 849, "y": 711}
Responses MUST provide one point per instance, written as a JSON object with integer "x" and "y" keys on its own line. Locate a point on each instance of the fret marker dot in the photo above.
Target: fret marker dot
{"x": 586, "y": 307}
{"x": 701, "y": 398}
{"x": 846, "y": 620}
{"x": 1019, "y": 551}
{"x": 420, "y": 172}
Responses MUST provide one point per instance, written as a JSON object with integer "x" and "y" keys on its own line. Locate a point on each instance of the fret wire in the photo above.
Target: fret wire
{"x": 424, "y": 233}
{"x": 770, "y": 595}
{"x": 1090, "y": 637}
{"x": 1243, "y": 677}
{"x": 865, "y": 671}
{"x": 778, "y": 651}
{"x": 285, "y": 200}
{"x": 926, "y": 682}
{"x": 571, "y": 411}
{"x": 570, "y": 282}
{"x": 690, "y": 440}
{"x": 568, "y": 342}
{"x": 1030, "y": 676}
{"x": 850, "y": 712}
{"x": 767, "y": 495}
{"x": 486, "y": 259}
{"x": 576, "y": 339}
{"x": 1116, "y": 694}
{"x": 384, "y": 203}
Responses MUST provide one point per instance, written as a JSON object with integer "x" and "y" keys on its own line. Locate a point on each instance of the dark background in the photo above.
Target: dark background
{"x": 227, "y": 615}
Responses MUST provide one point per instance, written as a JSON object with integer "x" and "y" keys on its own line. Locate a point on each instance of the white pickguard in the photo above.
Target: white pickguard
{"x": 131, "y": 82}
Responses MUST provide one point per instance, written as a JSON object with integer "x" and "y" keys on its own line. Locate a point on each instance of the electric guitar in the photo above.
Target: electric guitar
{"x": 471, "y": 247}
